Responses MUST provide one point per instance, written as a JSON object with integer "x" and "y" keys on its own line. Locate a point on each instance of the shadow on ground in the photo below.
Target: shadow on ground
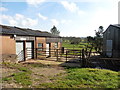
{"x": 94, "y": 62}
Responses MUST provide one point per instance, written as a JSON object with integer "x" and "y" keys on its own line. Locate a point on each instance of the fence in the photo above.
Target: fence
{"x": 83, "y": 57}
{"x": 62, "y": 54}
{"x": 95, "y": 60}
{"x": 58, "y": 54}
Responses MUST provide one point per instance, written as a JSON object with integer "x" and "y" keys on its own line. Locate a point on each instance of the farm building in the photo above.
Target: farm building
{"x": 23, "y": 42}
{"x": 111, "y": 41}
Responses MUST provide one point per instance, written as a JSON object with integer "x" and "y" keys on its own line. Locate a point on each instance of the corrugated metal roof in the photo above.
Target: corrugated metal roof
{"x": 24, "y": 31}
{"x": 116, "y": 25}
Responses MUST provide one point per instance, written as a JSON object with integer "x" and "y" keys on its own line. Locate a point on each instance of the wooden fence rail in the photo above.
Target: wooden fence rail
{"x": 85, "y": 58}
{"x": 40, "y": 53}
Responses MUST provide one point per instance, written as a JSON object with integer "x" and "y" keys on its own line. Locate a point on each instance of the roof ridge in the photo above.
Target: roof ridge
{"x": 116, "y": 25}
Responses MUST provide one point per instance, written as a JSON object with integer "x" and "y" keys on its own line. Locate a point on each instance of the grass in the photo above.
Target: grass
{"x": 79, "y": 46}
{"x": 73, "y": 78}
{"x": 22, "y": 76}
{"x": 93, "y": 77}
{"x": 85, "y": 78}
{"x": 75, "y": 46}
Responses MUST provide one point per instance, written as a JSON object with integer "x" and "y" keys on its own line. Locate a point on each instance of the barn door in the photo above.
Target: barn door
{"x": 109, "y": 48}
{"x": 20, "y": 51}
{"x": 29, "y": 50}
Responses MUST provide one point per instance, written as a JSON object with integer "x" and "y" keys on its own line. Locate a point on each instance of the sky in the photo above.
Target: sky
{"x": 79, "y": 18}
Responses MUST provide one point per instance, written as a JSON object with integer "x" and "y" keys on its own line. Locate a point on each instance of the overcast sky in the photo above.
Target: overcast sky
{"x": 71, "y": 17}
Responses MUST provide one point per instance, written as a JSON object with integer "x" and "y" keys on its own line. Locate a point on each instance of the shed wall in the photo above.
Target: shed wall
{"x": 59, "y": 45}
{"x": 8, "y": 45}
{"x": 41, "y": 40}
{"x": 53, "y": 40}
{"x": 25, "y": 38}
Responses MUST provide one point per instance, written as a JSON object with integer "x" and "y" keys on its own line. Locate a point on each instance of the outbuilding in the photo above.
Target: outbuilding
{"x": 111, "y": 41}
{"x": 22, "y": 42}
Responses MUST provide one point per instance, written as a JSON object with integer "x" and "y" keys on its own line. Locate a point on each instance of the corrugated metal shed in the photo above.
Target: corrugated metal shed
{"x": 111, "y": 38}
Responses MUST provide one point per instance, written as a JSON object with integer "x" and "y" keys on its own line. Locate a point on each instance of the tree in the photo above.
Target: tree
{"x": 71, "y": 40}
{"x": 99, "y": 39}
{"x": 99, "y": 33}
{"x": 75, "y": 40}
{"x": 54, "y": 31}
{"x": 90, "y": 39}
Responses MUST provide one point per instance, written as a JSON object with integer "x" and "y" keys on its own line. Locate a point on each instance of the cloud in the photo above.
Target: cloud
{"x": 72, "y": 7}
{"x": 42, "y": 17}
{"x": 19, "y": 17}
{"x": 55, "y": 22}
{"x": 2, "y": 9}
{"x": 104, "y": 17}
{"x": 34, "y": 2}
{"x": 19, "y": 20}
{"x": 63, "y": 21}
{"x": 69, "y": 6}
{"x": 101, "y": 17}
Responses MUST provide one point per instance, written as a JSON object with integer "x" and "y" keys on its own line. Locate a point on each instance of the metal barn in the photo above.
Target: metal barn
{"x": 111, "y": 41}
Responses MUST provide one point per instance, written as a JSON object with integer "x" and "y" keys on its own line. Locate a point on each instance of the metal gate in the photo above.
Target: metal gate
{"x": 29, "y": 50}
{"x": 20, "y": 51}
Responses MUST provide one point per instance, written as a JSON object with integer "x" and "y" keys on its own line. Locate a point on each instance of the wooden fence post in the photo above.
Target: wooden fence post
{"x": 80, "y": 54}
{"x": 90, "y": 51}
{"x": 66, "y": 56}
{"x": 83, "y": 58}
{"x": 74, "y": 53}
{"x": 57, "y": 54}
{"x": 36, "y": 53}
{"x": 60, "y": 53}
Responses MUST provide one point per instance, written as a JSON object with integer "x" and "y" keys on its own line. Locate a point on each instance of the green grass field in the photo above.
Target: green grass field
{"x": 79, "y": 46}
{"x": 74, "y": 46}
